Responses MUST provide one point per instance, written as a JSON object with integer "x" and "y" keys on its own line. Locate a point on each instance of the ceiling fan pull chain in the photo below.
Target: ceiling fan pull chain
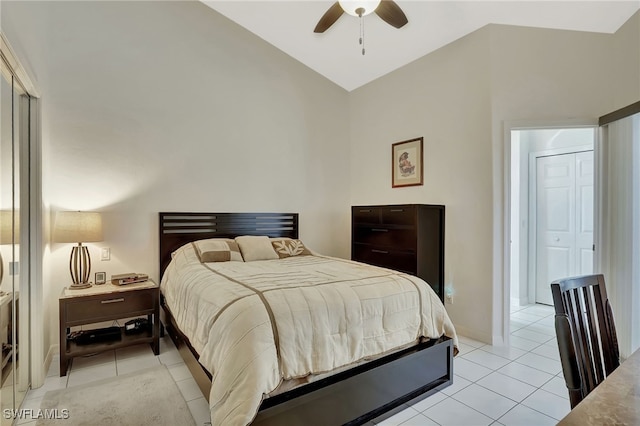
{"x": 362, "y": 33}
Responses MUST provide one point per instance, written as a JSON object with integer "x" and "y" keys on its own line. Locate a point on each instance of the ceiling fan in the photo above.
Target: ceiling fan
{"x": 387, "y": 10}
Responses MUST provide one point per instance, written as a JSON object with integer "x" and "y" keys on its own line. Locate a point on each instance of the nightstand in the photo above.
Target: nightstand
{"x": 108, "y": 302}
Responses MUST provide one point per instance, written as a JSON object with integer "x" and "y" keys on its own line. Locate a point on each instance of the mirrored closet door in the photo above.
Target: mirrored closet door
{"x": 15, "y": 132}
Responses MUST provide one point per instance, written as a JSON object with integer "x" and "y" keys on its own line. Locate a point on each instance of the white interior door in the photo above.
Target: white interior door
{"x": 584, "y": 212}
{"x": 564, "y": 219}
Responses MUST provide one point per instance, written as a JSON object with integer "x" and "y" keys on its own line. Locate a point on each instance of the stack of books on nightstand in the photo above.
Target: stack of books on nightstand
{"x": 130, "y": 278}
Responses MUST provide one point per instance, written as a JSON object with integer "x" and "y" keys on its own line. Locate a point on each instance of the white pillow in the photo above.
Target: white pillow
{"x": 256, "y": 248}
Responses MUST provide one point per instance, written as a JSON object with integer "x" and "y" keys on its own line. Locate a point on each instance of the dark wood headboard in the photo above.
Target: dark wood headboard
{"x": 180, "y": 228}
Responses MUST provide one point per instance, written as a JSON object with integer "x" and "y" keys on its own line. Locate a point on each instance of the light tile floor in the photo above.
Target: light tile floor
{"x": 119, "y": 362}
{"x": 521, "y": 384}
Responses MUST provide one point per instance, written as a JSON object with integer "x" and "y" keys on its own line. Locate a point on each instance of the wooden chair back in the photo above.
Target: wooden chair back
{"x": 586, "y": 333}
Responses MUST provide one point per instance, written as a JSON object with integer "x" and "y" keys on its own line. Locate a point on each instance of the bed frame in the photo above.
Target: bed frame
{"x": 356, "y": 396}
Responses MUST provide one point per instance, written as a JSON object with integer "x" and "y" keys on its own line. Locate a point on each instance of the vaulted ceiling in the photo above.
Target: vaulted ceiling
{"x": 336, "y": 53}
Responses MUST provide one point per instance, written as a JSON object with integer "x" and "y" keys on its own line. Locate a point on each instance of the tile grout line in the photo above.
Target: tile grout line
{"x": 529, "y": 351}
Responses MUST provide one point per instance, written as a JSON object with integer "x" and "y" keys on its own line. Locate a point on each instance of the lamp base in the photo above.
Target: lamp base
{"x": 79, "y": 286}
{"x": 79, "y": 266}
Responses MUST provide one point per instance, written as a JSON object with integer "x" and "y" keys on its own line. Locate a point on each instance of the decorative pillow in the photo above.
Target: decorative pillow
{"x": 218, "y": 250}
{"x": 288, "y": 247}
{"x": 256, "y": 248}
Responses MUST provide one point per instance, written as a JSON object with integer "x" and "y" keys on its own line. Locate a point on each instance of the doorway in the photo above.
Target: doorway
{"x": 551, "y": 209}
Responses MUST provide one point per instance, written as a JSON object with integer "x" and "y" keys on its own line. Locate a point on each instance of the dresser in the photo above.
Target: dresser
{"x": 407, "y": 238}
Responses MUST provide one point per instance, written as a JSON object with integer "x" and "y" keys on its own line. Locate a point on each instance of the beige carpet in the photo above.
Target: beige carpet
{"x": 146, "y": 398}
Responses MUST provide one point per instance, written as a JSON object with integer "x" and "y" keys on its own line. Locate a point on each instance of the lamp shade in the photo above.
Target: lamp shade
{"x": 7, "y": 223}
{"x": 351, "y": 6}
{"x": 77, "y": 227}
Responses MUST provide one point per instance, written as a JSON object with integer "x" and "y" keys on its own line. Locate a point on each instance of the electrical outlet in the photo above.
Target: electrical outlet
{"x": 450, "y": 299}
{"x": 105, "y": 254}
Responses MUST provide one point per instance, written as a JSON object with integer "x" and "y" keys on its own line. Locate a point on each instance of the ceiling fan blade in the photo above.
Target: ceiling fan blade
{"x": 329, "y": 18}
{"x": 391, "y": 13}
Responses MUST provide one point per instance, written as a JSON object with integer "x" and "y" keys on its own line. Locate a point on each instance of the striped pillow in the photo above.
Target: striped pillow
{"x": 218, "y": 250}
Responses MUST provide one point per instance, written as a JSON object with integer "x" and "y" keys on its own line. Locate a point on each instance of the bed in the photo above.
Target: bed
{"x": 298, "y": 338}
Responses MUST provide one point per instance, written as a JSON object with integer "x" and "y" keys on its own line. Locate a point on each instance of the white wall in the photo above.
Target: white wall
{"x": 541, "y": 75}
{"x": 459, "y": 98}
{"x": 168, "y": 106}
{"x": 445, "y": 97}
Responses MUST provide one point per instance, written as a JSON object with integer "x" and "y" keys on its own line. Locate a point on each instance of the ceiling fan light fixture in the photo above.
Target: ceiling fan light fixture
{"x": 352, "y": 7}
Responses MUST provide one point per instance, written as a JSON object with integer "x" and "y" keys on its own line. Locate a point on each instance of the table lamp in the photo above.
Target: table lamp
{"x": 78, "y": 227}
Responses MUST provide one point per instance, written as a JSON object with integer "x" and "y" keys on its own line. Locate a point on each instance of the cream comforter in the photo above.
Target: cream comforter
{"x": 255, "y": 324}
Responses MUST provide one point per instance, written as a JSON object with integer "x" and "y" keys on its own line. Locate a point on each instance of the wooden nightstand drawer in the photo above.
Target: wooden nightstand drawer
{"x": 99, "y": 308}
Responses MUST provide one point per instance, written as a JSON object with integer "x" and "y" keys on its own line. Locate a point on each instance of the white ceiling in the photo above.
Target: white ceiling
{"x": 336, "y": 54}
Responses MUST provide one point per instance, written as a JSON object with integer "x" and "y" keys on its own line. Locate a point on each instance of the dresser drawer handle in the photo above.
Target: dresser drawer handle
{"x": 379, "y": 230}
{"x": 379, "y": 251}
{"x": 112, "y": 300}
{"x": 365, "y": 211}
{"x": 396, "y": 210}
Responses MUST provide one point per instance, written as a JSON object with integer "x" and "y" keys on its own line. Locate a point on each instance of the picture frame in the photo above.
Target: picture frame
{"x": 101, "y": 277}
{"x": 407, "y": 167}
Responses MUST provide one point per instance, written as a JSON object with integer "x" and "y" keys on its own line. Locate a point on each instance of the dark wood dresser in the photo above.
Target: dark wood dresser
{"x": 407, "y": 238}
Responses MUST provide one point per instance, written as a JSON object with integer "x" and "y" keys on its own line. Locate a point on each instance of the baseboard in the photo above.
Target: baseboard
{"x": 473, "y": 334}
{"x": 519, "y": 301}
{"x": 53, "y": 351}
{"x": 497, "y": 341}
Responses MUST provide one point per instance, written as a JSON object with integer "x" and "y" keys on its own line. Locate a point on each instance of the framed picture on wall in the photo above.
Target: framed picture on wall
{"x": 406, "y": 163}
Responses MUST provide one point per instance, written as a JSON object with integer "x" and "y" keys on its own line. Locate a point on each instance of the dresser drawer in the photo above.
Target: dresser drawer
{"x": 398, "y": 215}
{"x": 404, "y": 239}
{"x": 379, "y": 256}
{"x": 87, "y": 309}
{"x": 365, "y": 214}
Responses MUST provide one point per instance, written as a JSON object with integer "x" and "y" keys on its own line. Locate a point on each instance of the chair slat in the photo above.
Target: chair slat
{"x": 595, "y": 325}
{"x": 583, "y": 341}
